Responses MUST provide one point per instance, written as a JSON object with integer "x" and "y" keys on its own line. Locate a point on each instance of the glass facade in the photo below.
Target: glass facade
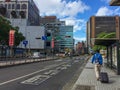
{"x": 66, "y": 35}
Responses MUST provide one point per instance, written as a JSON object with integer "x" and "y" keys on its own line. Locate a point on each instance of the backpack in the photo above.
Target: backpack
{"x": 97, "y": 59}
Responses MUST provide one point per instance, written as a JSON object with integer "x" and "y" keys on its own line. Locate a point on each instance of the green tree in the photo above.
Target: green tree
{"x": 104, "y": 35}
{"x": 5, "y": 27}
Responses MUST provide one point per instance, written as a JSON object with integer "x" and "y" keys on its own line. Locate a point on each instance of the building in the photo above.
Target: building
{"x": 98, "y": 24}
{"x": 115, "y": 3}
{"x": 25, "y": 15}
{"x": 106, "y": 24}
{"x": 66, "y": 39}
{"x": 52, "y": 24}
{"x": 47, "y": 19}
{"x": 21, "y": 9}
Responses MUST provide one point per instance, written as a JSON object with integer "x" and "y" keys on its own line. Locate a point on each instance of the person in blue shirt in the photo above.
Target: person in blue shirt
{"x": 97, "y": 60}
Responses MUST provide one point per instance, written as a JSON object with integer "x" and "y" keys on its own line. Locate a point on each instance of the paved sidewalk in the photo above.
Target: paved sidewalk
{"x": 87, "y": 80}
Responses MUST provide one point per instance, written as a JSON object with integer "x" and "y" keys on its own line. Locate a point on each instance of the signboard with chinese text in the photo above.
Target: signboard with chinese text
{"x": 11, "y": 37}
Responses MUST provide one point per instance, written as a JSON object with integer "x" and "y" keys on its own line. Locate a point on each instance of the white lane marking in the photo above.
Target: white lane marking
{"x": 36, "y": 80}
{"x": 28, "y": 75}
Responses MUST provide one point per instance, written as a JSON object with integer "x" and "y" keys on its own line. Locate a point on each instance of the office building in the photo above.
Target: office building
{"x": 25, "y": 15}
{"x": 66, "y": 35}
{"x": 52, "y": 24}
{"x": 98, "y": 24}
{"x": 21, "y": 9}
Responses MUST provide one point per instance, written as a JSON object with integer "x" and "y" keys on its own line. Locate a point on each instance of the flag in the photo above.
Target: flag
{"x": 11, "y": 37}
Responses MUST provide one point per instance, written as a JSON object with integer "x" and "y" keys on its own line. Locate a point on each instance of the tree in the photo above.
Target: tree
{"x": 5, "y": 27}
{"x": 103, "y": 35}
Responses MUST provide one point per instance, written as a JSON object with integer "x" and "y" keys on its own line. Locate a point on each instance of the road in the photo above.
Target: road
{"x": 46, "y": 75}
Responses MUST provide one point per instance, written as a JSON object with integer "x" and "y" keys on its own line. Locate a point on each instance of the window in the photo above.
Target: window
{"x": 48, "y": 44}
{"x": 18, "y": 6}
{"x": 9, "y": 6}
{"x": 24, "y": 6}
{"x": 13, "y": 6}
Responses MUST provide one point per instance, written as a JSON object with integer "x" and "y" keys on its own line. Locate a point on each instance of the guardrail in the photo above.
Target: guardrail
{"x": 11, "y": 62}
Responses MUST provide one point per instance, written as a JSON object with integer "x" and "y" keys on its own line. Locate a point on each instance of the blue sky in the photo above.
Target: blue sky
{"x": 77, "y": 12}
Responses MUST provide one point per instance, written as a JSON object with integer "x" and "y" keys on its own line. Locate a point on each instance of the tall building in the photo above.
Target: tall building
{"x": 47, "y": 19}
{"x": 21, "y": 9}
{"x": 25, "y": 15}
{"x": 66, "y": 35}
{"x": 51, "y": 24}
{"x": 98, "y": 24}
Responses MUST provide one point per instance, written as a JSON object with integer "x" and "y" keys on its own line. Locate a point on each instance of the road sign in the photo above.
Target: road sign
{"x": 44, "y": 37}
{"x": 25, "y": 42}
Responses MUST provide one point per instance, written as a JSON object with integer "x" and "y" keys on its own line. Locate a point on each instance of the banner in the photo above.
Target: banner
{"x": 52, "y": 43}
{"x": 11, "y": 37}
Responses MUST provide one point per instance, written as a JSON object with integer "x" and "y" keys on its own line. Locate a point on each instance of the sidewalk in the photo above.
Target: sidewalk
{"x": 87, "y": 80}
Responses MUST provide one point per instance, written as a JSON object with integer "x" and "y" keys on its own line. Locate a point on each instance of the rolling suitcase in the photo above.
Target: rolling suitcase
{"x": 104, "y": 77}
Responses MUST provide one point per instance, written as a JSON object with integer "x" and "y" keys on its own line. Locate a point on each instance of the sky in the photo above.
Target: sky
{"x": 76, "y": 12}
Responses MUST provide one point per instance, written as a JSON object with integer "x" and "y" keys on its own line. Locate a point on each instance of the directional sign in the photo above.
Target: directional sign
{"x": 25, "y": 42}
{"x": 44, "y": 37}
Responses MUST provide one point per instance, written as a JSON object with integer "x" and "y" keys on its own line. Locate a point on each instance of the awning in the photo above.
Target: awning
{"x": 115, "y": 3}
{"x": 104, "y": 41}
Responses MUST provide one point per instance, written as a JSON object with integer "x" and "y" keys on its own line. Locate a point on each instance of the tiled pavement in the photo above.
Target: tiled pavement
{"x": 87, "y": 80}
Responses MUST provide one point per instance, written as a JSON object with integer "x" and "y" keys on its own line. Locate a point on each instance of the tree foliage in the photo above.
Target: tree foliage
{"x": 5, "y": 27}
{"x": 104, "y": 35}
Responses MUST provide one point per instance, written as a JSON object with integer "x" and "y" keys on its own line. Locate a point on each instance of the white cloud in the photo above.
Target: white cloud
{"x": 104, "y": 11}
{"x": 79, "y": 39}
{"x": 61, "y": 8}
{"x": 78, "y": 24}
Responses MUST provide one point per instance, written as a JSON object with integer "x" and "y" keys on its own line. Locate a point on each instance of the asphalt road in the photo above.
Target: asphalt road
{"x": 47, "y": 75}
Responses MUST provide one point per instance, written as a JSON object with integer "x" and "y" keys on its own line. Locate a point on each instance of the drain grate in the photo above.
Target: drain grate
{"x": 85, "y": 87}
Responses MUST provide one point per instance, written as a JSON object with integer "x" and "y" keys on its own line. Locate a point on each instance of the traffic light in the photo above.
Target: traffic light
{"x": 2, "y": 10}
{"x": 14, "y": 14}
{"x": 22, "y": 14}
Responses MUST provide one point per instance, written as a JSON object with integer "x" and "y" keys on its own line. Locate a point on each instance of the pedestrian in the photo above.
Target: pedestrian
{"x": 98, "y": 61}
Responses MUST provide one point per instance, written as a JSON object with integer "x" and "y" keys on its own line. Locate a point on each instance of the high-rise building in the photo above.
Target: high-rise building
{"x": 21, "y": 9}
{"x": 98, "y": 24}
{"x": 25, "y": 15}
{"x": 47, "y": 19}
{"x": 52, "y": 24}
{"x": 66, "y": 35}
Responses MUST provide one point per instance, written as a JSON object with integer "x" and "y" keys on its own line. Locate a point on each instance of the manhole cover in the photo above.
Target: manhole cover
{"x": 85, "y": 87}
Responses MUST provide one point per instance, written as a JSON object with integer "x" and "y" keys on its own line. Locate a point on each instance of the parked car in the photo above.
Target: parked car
{"x": 38, "y": 55}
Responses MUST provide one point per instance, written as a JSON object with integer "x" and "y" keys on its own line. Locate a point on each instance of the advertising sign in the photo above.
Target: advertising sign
{"x": 11, "y": 37}
{"x": 52, "y": 43}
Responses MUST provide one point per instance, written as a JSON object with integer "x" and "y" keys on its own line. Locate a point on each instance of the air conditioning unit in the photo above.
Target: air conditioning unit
{"x": 14, "y": 14}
